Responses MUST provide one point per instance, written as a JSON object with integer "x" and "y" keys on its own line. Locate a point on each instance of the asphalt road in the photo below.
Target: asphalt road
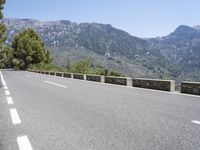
{"x": 41, "y": 112}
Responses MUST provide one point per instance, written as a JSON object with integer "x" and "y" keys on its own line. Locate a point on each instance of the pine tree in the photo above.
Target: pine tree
{"x": 6, "y": 56}
{"x": 2, "y": 27}
{"x": 2, "y": 2}
{"x": 3, "y": 49}
{"x": 28, "y": 49}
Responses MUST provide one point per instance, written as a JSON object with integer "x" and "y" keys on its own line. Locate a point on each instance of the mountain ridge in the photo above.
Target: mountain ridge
{"x": 166, "y": 57}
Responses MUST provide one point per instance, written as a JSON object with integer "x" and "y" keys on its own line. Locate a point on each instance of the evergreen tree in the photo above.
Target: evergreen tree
{"x": 2, "y": 2}
{"x": 3, "y": 49}
{"x": 2, "y": 34}
{"x": 28, "y": 48}
{"x": 6, "y": 56}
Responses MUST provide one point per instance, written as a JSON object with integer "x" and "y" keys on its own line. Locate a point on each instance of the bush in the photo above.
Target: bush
{"x": 83, "y": 66}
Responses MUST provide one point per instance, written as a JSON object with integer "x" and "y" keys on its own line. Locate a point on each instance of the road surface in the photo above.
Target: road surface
{"x": 41, "y": 112}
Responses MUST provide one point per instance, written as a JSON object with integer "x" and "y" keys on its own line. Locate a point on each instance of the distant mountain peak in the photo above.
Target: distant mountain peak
{"x": 184, "y": 28}
{"x": 183, "y": 31}
{"x": 197, "y": 27}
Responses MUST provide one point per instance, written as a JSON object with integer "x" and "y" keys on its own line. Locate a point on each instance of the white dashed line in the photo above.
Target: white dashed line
{"x": 63, "y": 86}
{"x": 9, "y": 100}
{"x": 14, "y": 116}
{"x": 24, "y": 143}
{"x": 5, "y": 88}
{"x": 2, "y": 79}
{"x": 195, "y": 122}
{"x": 7, "y": 92}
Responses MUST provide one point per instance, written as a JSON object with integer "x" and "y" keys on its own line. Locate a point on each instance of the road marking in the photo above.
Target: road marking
{"x": 2, "y": 79}
{"x": 14, "y": 116}
{"x": 24, "y": 143}
{"x": 7, "y": 92}
{"x": 63, "y": 86}
{"x": 195, "y": 122}
{"x": 27, "y": 76}
{"x": 9, "y": 100}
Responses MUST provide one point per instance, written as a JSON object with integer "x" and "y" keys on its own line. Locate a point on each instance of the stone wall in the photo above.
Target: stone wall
{"x": 94, "y": 78}
{"x": 118, "y": 80}
{"x": 60, "y": 74}
{"x": 52, "y": 73}
{"x": 190, "y": 87}
{"x": 67, "y": 75}
{"x": 47, "y": 72}
{"x": 78, "y": 76}
{"x": 164, "y": 85}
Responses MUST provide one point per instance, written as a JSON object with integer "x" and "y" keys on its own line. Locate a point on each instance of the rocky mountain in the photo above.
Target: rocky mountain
{"x": 197, "y": 27}
{"x": 181, "y": 46}
{"x": 98, "y": 38}
{"x": 166, "y": 57}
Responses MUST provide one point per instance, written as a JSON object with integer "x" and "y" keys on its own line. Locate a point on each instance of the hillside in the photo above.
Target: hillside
{"x": 166, "y": 57}
{"x": 181, "y": 46}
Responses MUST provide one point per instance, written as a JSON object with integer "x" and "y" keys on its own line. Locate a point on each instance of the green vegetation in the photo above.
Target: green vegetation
{"x": 6, "y": 56}
{"x": 2, "y": 2}
{"x": 28, "y": 49}
{"x": 84, "y": 66}
{"x": 4, "y": 51}
{"x": 44, "y": 67}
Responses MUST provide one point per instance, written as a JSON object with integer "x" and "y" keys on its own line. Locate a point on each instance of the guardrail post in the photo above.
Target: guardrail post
{"x": 129, "y": 82}
{"x": 84, "y": 76}
{"x": 103, "y": 79}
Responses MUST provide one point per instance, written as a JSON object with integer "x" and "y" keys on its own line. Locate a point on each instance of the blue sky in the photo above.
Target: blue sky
{"x": 143, "y": 18}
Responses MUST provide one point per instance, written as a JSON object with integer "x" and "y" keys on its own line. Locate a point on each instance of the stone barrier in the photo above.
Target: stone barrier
{"x": 52, "y": 73}
{"x": 190, "y": 87}
{"x": 47, "y": 72}
{"x": 95, "y": 78}
{"x": 118, "y": 80}
{"x": 156, "y": 84}
{"x": 164, "y": 85}
{"x": 59, "y": 74}
{"x": 78, "y": 76}
{"x": 67, "y": 75}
